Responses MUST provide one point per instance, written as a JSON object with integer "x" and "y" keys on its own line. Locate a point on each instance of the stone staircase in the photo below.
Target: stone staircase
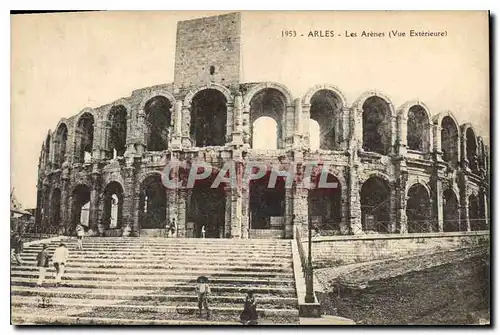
{"x": 152, "y": 281}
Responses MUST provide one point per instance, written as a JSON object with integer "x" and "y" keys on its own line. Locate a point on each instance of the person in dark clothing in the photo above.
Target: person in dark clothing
{"x": 249, "y": 314}
{"x": 17, "y": 244}
{"x": 42, "y": 261}
{"x": 203, "y": 292}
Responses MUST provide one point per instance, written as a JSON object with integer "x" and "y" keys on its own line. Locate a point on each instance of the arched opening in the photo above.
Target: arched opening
{"x": 417, "y": 129}
{"x": 482, "y": 212}
{"x": 112, "y": 215}
{"x": 471, "y": 150}
{"x": 55, "y": 208}
{"x": 84, "y": 138}
{"x": 271, "y": 103}
{"x": 81, "y": 205}
{"x": 267, "y": 204}
{"x": 314, "y": 135}
{"x": 158, "y": 123}
{"x": 266, "y": 128}
{"x": 60, "y": 145}
{"x": 325, "y": 206}
{"x": 451, "y": 220}
{"x": 377, "y": 126}
{"x": 375, "y": 205}
{"x": 207, "y": 207}
{"x": 47, "y": 150}
{"x": 449, "y": 141}
{"x": 326, "y": 110}
{"x": 474, "y": 217}
{"x": 117, "y": 132}
{"x": 152, "y": 203}
{"x": 418, "y": 211}
{"x": 209, "y": 118}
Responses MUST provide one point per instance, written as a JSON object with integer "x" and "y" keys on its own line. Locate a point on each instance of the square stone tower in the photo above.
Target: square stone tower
{"x": 208, "y": 50}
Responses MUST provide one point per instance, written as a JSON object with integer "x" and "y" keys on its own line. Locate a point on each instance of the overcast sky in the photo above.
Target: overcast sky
{"x": 62, "y": 63}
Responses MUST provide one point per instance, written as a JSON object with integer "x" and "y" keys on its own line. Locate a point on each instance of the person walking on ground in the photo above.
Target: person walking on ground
{"x": 60, "y": 258}
{"x": 203, "y": 292}
{"x": 42, "y": 261}
{"x": 17, "y": 244}
{"x": 80, "y": 233}
{"x": 249, "y": 315}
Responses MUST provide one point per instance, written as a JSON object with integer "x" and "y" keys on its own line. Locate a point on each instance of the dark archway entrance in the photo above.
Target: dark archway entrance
{"x": 55, "y": 208}
{"x": 451, "y": 220}
{"x": 117, "y": 132}
{"x": 81, "y": 206}
{"x": 209, "y": 118}
{"x": 449, "y": 141}
{"x": 326, "y": 109}
{"x": 474, "y": 217}
{"x": 113, "y": 206}
{"x": 158, "y": 123}
{"x": 84, "y": 138}
{"x": 267, "y": 204}
{"x": 152, "y": 203}
{"x": 325, "y": 206}
{"x": 375, "y": 205}
{"x": 418, "y": 210}
{"x": 376, "y": 125}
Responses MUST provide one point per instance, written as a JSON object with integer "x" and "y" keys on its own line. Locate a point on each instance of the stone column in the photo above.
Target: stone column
{"x": 181, "y": 213}
{"x": 141, "y": 129}
{"x": 402, "y": 203}
{"x": 131, "y": 133}
{"x": 298, "y": 124}
{"x": 306, "y": 117}
{"x": 354, "y": 198}
{"x": 430, "y": 142}
{"x": 346, "y": 126}
{"x": 245, "y": 204}
{"x": 172, "y": 201}
{"x": 94, "y": 200}
{"x": 357, "y": 138}
{"x": 104, "y": 139}
{"x": 130, "y": 205}
{"x": 403, "y": 135}
{"x": 437, "y": 142}
{"x": 393, "y": 207}
{"x": 287, "y": 128}
{"x": 394, "y": 133}
{"x": 289, "y": 229}
{"x": 187, "y": 142}
{"x": 177, "y": 128}
{"x": 438, "y": 204}
{"x": 64, "y": 214}
{"x": 237, "y": 130}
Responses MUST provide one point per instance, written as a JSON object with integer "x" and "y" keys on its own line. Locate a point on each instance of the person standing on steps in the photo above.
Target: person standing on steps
{"x": 60, "y": 258}
{"x": 173, "y": 228}
{"x": 80, "y": 233}
{"x": 203, "y": 292}
{"x": 203, "y": 231}
{"x": 17, "y": 244}
{"x": 249, "y": 314}
{"x": 42, "y": 261}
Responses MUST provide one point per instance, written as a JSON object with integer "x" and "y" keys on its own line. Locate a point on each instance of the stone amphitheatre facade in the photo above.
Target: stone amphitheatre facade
{"x": 399, "y": 169}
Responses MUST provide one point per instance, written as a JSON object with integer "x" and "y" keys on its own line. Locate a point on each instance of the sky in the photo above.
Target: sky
{"x": 62, "y": 63}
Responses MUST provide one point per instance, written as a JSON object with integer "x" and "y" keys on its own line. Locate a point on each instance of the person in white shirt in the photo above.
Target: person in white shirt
{"x": 59, "y": 259}
{"x": 202, "y": 231}
{"x": 80, "y": 233}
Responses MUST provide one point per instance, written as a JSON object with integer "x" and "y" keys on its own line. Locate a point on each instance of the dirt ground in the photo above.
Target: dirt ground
{"x": 446, "y": 288}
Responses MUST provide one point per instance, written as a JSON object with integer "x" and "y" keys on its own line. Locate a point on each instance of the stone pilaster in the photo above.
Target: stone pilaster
{"x": 346, "y": 129}
{"x": 187, "y": 142}
{"x": 177, "y": 130}
{"x": 130, "y": 200}
{"x": 402, "y": 202}
{"x": 182, "y": 211}
{"x": 306, "y": 117}
{"x": 94, "y": 200}
{"x": 237, "y": 129}
{"x": 402, "y": 135}
{"x": 64, "y": 215}
{"x": 438, "y": 151}
{"x": 298, "y": 124}
{"x": 289, "y": 225}
{"x": 438, "y": 203}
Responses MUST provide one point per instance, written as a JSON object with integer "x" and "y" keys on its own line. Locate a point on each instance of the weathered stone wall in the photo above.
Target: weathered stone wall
{"x": 342, "y": 250}
{"x": 205, "y": 43}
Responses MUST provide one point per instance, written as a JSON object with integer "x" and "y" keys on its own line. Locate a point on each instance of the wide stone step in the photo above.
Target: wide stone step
{"x": 164, "y": 240}
{"x": 182, "y": 267}
{"x": 31, "y": 315}
{"x": 162, "y": 287}
{"x": 165, "y": 279}
{"x": 76, "y": 292}
{"x": 152, "y": 297}
{"x": 144, "y": 306}
{"x": 279, "y": 262}
{"x": 75, "y": 268}
{"x": 164, "y": 255}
